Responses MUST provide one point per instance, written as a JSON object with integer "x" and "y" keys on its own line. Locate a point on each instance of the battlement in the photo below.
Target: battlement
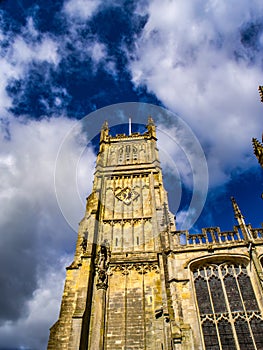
{"x": 213, "y": 236}
{"x": 106, "y": 137}
{"x": 133, "y": 136}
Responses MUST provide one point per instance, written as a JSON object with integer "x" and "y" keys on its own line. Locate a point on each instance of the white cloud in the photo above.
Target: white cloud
{"x": 98, "y": 52}
{"x": 24, "y": 52}
{"x": 183, "y": 159}
{"x": 81, "y": 9}
{"x": 29, "y": 163}
{"x": 192, "y": 58}
{"x": 7, "y": 72}
{"x": 30, "y": 28}
{"x": 16, "y": 59}
{"x": 185, "y": 218}
{"x": 32, "y": 46}
{"x": 87, "y": 45}
{"x": 100, "y": 56}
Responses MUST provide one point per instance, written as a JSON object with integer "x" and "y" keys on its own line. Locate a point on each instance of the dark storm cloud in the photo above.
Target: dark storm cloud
{"x": 251, "y": 38}
{"x": 18, "y": 260}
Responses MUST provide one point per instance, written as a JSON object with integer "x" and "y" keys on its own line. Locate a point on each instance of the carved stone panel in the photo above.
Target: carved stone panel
{"x": 127, "y": 195}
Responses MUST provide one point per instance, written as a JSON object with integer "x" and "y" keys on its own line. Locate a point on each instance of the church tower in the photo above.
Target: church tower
{"x": 115, "y": 294}
{"x": 136, "y": 283}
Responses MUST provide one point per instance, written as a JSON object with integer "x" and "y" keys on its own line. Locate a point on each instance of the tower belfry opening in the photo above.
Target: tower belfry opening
{"x": 138, "y": 283}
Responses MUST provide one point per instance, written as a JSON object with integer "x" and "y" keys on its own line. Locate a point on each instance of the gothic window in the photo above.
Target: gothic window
{"x": 128, "y": 150}
{"x": 113, "y": 156}
{"x": 120, "y": 155}
{"x": 142, "y": 154}
{"x": 135, "y": 153}
{"x": 229, "y": 313}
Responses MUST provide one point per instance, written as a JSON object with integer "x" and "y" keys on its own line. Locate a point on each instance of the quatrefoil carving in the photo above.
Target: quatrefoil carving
{"x": 126, "y": 195}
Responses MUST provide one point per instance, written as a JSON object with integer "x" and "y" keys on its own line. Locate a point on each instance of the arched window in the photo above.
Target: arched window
{"x": 120, "y": 155}
{"x": 135, "y": 153}
{"x": 228, "y": 309}
{"x": 127, "y": 151}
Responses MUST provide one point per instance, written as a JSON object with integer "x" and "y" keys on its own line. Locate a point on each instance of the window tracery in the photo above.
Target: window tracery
{"x": 128, "y": 154}
{"x": 229, "y": 313}
{"x": 135, "y": 153}
{"x": 128, "y": 150}
{"x": 120, "y": 155}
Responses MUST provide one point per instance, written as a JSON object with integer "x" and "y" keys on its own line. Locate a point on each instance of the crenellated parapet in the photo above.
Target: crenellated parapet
{"x": 213, "y": 236}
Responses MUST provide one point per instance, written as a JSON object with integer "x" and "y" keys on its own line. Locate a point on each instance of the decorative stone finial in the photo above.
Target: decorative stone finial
{"x": 258, "y": 150}
{"x": 260, "y": 89}
{"x": 241, "y": 222}
{"x": 237, "y": 211}
{"x": 151, "y": 127}
{"x": 104, "y": 131}
{"x": 150, "y": 121}
{"x": 105, "y": 125}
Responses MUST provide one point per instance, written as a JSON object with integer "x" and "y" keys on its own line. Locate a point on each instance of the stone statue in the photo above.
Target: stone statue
{"x": 102, "y": 264}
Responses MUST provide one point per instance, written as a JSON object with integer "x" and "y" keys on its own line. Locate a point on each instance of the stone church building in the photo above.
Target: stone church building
{"x": 137, "y": 283}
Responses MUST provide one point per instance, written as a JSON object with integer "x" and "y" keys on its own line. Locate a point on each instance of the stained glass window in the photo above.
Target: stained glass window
{"x": 226, "y": 335}
{"x": 210, "y": 336}
{"x": 229, "y": 312}
{"x": 257, "y": 327}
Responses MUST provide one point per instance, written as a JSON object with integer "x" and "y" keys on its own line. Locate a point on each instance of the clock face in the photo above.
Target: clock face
{"x": 127, "y": 195}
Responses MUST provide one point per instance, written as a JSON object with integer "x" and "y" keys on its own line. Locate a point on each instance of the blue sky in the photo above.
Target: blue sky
{"x": 63, "y": 60}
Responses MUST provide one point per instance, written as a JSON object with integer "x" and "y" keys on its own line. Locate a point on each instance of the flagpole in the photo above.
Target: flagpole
{"x": 130, "y": 126}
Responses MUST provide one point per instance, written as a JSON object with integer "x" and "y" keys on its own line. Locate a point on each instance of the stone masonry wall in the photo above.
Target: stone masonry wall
{"x": 133, "y": 296}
